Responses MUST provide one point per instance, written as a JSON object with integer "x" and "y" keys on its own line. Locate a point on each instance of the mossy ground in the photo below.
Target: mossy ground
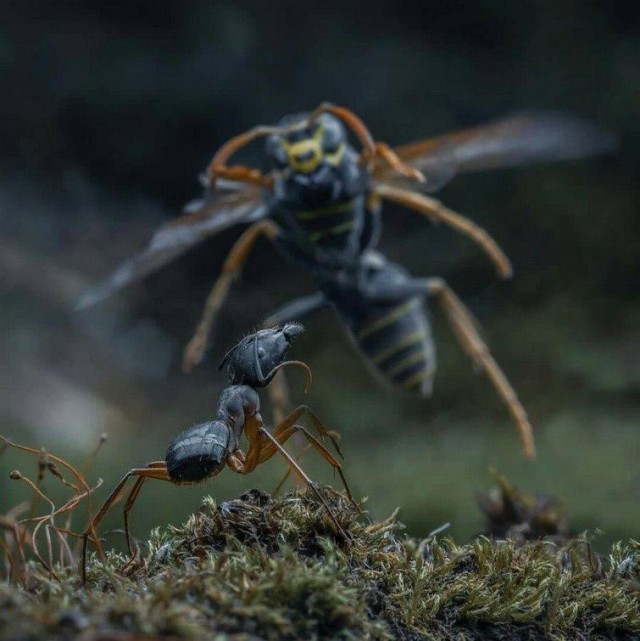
{"x": 263, "y": 568}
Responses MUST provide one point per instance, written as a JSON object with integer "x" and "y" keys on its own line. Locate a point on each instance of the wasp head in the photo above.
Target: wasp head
{"x": 253, "y": 360}
{"x": 306, "y": 147}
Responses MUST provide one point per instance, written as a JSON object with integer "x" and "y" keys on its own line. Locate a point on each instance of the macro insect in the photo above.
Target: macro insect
{"x": 383, "y": 308}
{"x": 204, "y": 450}
{"x": 320, "y": 201}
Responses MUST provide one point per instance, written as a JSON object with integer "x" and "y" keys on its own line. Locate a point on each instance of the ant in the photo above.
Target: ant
{"x": 204, "y": 450}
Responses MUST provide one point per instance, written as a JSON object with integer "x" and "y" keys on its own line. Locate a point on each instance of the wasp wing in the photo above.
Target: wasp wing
{"x": 522, "y": 138}
{"x": 204, "y": 218}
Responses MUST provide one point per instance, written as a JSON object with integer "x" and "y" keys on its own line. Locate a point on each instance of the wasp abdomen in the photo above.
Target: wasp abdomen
{"x": 397, "y": 341}
{"x": 199, "y": 452}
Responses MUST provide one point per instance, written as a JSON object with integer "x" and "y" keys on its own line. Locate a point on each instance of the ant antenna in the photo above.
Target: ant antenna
{"x": 308, "y": 376}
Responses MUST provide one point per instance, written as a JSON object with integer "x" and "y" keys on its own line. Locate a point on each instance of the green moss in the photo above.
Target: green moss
{"x": 277, "y": 569}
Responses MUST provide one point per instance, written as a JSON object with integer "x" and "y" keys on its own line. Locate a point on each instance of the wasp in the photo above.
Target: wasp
{"x": 320, "y": 203}
{"x": 204, "y": 450}
{"x": 383, "y": 308}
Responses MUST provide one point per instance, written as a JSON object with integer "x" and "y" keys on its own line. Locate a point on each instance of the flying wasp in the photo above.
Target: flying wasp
{"x": 320, "y": 202}
{"x": 383, "y": 310}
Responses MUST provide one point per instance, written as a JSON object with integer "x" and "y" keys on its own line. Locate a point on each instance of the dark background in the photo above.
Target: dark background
{"x": 109, "y": 112}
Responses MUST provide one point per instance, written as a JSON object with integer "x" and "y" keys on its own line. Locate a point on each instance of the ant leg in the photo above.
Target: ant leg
{"x": 279, "y": 397}
{"x": 159, "y": 467}
{"x": 437, "y": 212}
{"x": 313, "y": 486}
{"x": 232, "y": 265}
{"x": 255, "y": 448}
{"x": 259, "y": 452}
{"x": 236, "y": 461}
{"x": 156, "y": 469}
{"x": 465, "y": 329}
{"x": 283, "y": 435}
{"x": 285, "y": 477}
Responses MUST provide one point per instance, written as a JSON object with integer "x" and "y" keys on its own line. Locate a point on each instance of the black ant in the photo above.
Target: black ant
{"x": 204, "y": 450}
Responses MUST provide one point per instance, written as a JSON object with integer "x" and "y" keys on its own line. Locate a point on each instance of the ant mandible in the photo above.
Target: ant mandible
{"x": 204, "y": 450}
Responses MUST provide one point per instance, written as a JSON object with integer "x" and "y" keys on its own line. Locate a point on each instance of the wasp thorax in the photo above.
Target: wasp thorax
{"x": 253, "y": 360}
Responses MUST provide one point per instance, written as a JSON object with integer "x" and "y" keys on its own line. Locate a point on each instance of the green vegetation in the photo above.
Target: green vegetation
{"x": 264, "y": 568}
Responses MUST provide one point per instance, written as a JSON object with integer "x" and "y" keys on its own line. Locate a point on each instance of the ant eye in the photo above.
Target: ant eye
{"x": 261, "y": 352}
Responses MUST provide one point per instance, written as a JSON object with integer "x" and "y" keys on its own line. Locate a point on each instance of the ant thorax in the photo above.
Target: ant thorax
{"x": 237, "y": 403}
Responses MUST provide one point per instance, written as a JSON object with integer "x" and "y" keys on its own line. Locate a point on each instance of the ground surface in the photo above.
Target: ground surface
{"x": 258, "y": 568}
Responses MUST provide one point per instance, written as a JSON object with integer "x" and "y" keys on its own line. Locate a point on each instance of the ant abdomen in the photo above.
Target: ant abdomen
{"x": 199, "y": 452}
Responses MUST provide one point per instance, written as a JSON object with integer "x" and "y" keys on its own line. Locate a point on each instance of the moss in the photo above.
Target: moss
{"x": 277, "y": 569}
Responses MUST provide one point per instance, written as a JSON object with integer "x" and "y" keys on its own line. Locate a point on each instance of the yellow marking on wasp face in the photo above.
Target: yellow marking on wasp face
{"x": 412, "y": 359}
{"x": 333, "y": 231}
{"x": 335, "y": 158}
{"x": 305, "y": 155}
{"x": 321, "y": 212}
{"x": 416, "y": 379}
{"x": 392, "y": 316}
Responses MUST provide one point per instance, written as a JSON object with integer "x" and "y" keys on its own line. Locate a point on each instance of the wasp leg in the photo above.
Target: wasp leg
{"x": 297, "y": 309}
{"x": 278, "y": 390}
{"x": 279, "y": 396}
{"x": 435, "y": 210}
{"x": 156, "y": 470}
{"x": 240, "y": 173}
{"x": 384, "y": 152}
{"x": 218, "y": 168}
{"x": 465, "y": 329}
{"x": 232, "y": 265}
{"x": 352, "y": 121}
{"x": 370, "y": 148}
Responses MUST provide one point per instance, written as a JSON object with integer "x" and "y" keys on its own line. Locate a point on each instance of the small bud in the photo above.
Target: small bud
{"x": 16, "y": 475}
{"x": 53, "y": 468}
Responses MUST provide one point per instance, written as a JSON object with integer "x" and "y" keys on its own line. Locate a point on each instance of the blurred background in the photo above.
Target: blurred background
{"x": 112, "y": 109}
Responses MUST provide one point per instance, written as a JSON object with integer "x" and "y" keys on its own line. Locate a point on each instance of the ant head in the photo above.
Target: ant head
{"x": 253, "y": 360}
